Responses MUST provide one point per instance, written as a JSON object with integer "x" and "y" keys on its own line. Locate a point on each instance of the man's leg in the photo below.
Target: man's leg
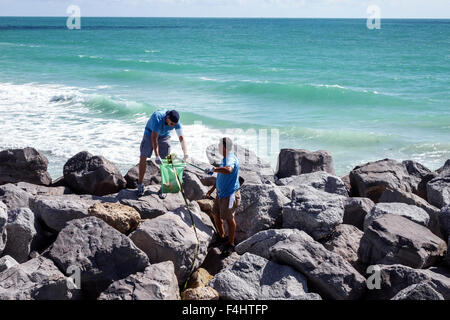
{"x": 146, "y": 150}
{"x": 164, "y": 150}
{"x": 219, "y": 225}
{"x": 231, "y": 230}
{"x": 142, "y": 168}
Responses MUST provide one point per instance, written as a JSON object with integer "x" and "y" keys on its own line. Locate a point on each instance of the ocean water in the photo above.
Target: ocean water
{"x": 314, "y": 84}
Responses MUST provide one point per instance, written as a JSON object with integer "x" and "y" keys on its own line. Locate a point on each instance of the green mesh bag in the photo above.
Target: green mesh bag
{"x": 169, "y": 183}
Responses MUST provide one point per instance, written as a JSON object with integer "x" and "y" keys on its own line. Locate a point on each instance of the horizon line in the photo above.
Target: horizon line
{"x": 231, "y": 17}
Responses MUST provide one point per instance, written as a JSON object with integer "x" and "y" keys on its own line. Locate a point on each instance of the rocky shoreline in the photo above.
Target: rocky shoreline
{"x": 302, "y": 232}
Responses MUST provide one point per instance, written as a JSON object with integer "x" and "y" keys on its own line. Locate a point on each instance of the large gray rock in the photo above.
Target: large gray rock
{"x": 444, "y": 221}
{"x": 252, "y": 277}
{"x": 152, "y": 175}
{"x": 7, "y": 262}
{"x": 293, "y": 162}
{"x": 393, "y": 239}
{"x": 38, "y": 190}
{"x": 447, "y": 257}
{"x": 22, "y": 230}
{"x": 410, "y": 212}
{"x": 150, "y": 205}
{"x": 319, "y": 180}
{"x": 216, "y": 260}
{"x": 3, "y": 222}
{"x": 102, "y": 253}
{"x": 438, "y": 189}
{"x": 420, "y": 175}
{"x": 88, "y": 174}
{"x": 156, "y": 282}
{"x": 394, "y": 278}
{"x": 260, "y": 209}
{"x": 36, "y": 279}
{"x": 345, "y": 241}
{"x": 193, "y": 187}
{"x": 56, "y": 211}
{"x": 373, "y": 178}
{"x": 26, "y": 164}
{"x": 355, "y": 211}
{"x": 422, "y": 291}
{"x": 412, "y": 199}
{"x": 171, "y": 237}
{"x": 13, "y": 196}
{"x": 313, "y": 211}
{"x": 330, "y": 274}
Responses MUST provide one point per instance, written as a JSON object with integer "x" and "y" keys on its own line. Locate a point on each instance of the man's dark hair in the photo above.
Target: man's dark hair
{"x": 173, "y": 115}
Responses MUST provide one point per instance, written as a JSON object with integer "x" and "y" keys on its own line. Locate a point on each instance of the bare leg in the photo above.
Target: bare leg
{"x": 219, "y": 225}
{"x": 142, "y": 168}
{"x": 231, "y": 230}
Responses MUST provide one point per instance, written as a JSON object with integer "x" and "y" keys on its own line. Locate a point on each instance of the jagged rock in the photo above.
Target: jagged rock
{"x": 260, "y": 209}
{"x": 206, "y": 205}
{"x": 13, "y": 196}
{"x": 26, "y": 164}
{"x": 199, "y": 278}
{"x": 421, "y": 291}
{"x": 193, "y": 187}
{"x": 3, "y": 223}
{"x": 200, "y": 293}
{"x": 36, "y": 279}
{"x": 330, "y": 274}
{"x": 22, "y": 230}
{"x": 156, "y": 282}
{"x": 293, "y": 162}
{"x": 205, "y": 179}
{"x": 447, "y": 257}
{"x": 152, "y": 175}
{"x": 150, "y": 205}
{"x": 345, "y": 241}
{"x": 7, "y": 262}
{"x": 253, "y": 277}
{"x": 38, "y": 190}
{"x": 394, "y": 278}
{"x": 216, "y": 261}
{"x": 56, "y": 211}
{"x": 102, "y": 253}
{"x": 171, "y": 237}
{"x": 119, "y": 216}
{"x": 438, "y": 189}
{"x": 348, "y": 186}
{"x": 413, "y": 199}
{"x": 319, "y": 180}
{"x": 313, "y": 211}
{"x": 355, "y": 210}
{"x": 393, "y": 239}
{"x": 419, "y": 175}
{"x": 373, "y": 178}
{"x": 444, "y": 220}
{"x": 88, "y": 174}
{"x": 410, "y": 212}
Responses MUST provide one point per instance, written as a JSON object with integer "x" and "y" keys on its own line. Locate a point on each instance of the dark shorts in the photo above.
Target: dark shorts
{"x": 222, "y": 209}
{"x": 147, "y": 148}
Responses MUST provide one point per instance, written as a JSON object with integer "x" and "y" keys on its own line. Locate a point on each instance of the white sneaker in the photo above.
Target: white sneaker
{"x": 162, "y": 195}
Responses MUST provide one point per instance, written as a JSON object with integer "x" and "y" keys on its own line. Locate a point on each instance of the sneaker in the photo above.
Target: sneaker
{"x": 140, "y": 190}
{"x": 162, "y": 195}
{"x": 229, "y": 249}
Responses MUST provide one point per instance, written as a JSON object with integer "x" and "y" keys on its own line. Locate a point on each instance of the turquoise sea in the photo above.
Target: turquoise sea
{"x": 328, "y": 84}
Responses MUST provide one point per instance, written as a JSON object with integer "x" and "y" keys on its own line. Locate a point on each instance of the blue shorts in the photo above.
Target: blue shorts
{"x": 163, "y": 146}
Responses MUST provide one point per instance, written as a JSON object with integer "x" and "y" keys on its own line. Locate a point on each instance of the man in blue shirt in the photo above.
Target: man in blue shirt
{"x": 228, "y": 194}
{"x": 157, "y": 138}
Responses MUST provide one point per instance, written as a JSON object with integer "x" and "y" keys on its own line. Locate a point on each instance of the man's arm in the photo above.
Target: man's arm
{"x": 183, "y": 145}
{"x": 224, "y": 170}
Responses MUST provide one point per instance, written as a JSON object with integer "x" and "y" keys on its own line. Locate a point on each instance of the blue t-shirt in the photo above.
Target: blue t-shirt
{"x": 227, "y": 184}
{"x": 157, "y": 123}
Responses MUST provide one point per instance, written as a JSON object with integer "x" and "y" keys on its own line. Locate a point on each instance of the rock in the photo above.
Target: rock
{"x": 37, "y": 190}
{"x": 393, "y": 239}
{"x": 171, "y": 237}
{"x": 56, "y": 211}
{"x": 22, "y": 230}
{"x": 3, "y": 223}
{"x": 373, "y": 178}
{"x": 88, "y": 174}
{"x": 413, "y": 199}
{"x": 248, "y": 162}
{"x": 261, "y": 242}
{"x": 150, "y": 205}
{"x": 216, "y": 261}
{"x": 199, "y": 278}
{"x": 330, "y": 274}
{"x": 102, "y": 253}
{"x": 293, "y": 162}
{"x": 26, "y": 164}
{"x": 395, "y": 278}
{"x": 355, "y": 210}
{"x": 7, "y": 262}
{"x": 444, "y": 220}
{"x": 206, "y": 205}
{"x": 420, "y": 175}
{"x": 345, "y": 241}
{"x": 13, "y": 196}
{"x": 253, "y": 277}
{"x": 200, "y": 293}
{"x": 192, "y": 186}
{"x": 36, "y": 279}
{"x": 447, "y": 257}
{"x": 313, "y": 211}
{"x": 260, "y": 209}
{"x": 421, "y": 291}
{"x": 152, "y": 175}
{"x": 205, "y": 179}
{"x": 319, "y": 180}
{"x": 119, "y": 216}
{"x": 156, "y": 282}
{"x": 410, "y": 212}
{"x": 348, "y": 186}
{"x": 438, "y": 189}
